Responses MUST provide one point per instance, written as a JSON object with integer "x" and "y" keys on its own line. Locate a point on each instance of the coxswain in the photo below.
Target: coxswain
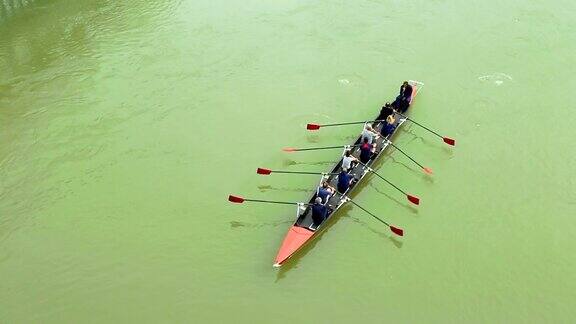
{"x": 366, "y": 150}
{"x": 319, "y": 212}
{"x": 406, "y": 91}
{"x": 389, "y": 127}
{"x": 344, "y": 181}
{"x": 403, "y": 100}
{"x": 348, "y": 160}
{"x": 369, "y": 133}
{"x": 325, "y": 191}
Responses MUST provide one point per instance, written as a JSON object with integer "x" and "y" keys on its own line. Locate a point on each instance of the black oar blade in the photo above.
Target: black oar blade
{"x": 312, "y": 127}
{"x": 413, "y": 199}
{"x": 263, "y": 171}
{"x": 235, "y": 199}
{"x": 449, "y": 141}
{"x": 396, "y": 230}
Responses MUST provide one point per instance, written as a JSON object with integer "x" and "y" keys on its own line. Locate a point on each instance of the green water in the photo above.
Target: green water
{"x": 125, "y": 124}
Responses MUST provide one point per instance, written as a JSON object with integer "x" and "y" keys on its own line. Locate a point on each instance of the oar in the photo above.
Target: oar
{"x": 292, "y": 149}
{"x": 413, "y": 199}
{"x": 426, "y": 169}
{"x": 239, "y": 200}
{"x": 447, "y": 140}
{"x": 396, "y": 230}
{"x": 263, "y": 171}
{"x": 317, "y": 126}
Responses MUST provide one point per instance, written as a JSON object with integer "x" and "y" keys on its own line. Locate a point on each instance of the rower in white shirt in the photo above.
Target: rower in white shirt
{"x": 348, "y": 159}
{"x": 369, "y": 133}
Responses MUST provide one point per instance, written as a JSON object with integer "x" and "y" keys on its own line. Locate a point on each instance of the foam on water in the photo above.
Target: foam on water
{"x": 497, "y": 78}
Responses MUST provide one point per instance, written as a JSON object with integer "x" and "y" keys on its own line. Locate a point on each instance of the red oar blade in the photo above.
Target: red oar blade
{"x": 449, "y": 141}
{"x": 427, "y": 170}
{"x": 235, "y": 199}
{"x": 312, "y": 127}
{"x": 263, "y": 171}
{"x": 396, "y": 230}
{"x": 289, "y": 149}
{"x": 413, "y": 199}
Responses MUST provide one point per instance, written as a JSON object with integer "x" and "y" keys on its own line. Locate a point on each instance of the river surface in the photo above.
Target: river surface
{"x": 124, "y": 125}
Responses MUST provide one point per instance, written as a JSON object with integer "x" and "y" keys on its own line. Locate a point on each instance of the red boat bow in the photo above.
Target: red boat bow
{"x": 295, "y": 238}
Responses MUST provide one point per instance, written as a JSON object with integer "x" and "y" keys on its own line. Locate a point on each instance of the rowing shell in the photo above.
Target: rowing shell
{"x": 304, "y": 230}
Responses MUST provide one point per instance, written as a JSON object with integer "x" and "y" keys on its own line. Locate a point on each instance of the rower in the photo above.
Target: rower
{"x": 366, "y": 150}
{"x": 319, "y": 213}
{"x": 324, "y": 192}
{"x": 369, "y": 133}
{"x": 403, "y": 100}
{"x": 389, "y": 127}
{"x": 386, "y": 111}
{"x": 348, "y": 160}
{"x": 344, "y": 181}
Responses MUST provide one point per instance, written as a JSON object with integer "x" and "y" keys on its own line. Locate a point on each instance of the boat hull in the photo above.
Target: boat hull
{"x": 303, "y": 230}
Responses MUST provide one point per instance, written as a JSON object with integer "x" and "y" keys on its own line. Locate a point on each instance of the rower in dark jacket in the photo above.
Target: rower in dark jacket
{"x": 319, "y": 212}
{"x": 325, "y": 191}
{"x": 344, "y": 181}
{"x": 366, "y": 151}
{"x": 386, "y": 111}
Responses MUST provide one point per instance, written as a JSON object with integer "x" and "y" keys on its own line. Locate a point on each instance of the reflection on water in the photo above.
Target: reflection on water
{"x": 264, "y": 188}
{"x": 414, "y": 136}
{"x": 383, "y": 233}
{"x": 288, "y": 162}
{"x": 312, "y": 138}
{"x": 404, "y": 204}
{"x": 9, "y": 8}
{"x": 239, "y": 224}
